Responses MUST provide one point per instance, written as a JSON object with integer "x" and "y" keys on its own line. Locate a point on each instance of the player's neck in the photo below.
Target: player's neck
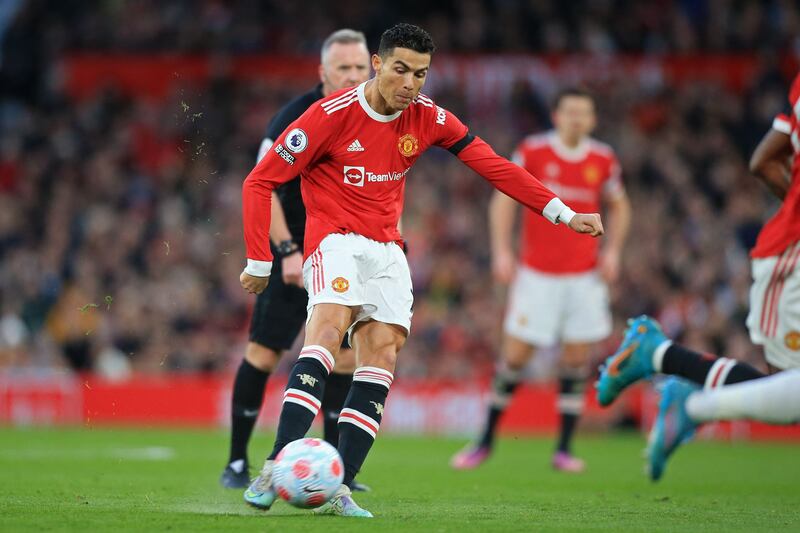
{"x": 570, "y": 142}
{"x": 375, "y": 100}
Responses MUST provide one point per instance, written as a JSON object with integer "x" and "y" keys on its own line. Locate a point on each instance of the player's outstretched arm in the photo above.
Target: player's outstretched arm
{"x": 520, "y": 185}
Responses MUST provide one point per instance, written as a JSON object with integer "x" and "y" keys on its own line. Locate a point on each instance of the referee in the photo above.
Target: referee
{"x": 280, "y": 311}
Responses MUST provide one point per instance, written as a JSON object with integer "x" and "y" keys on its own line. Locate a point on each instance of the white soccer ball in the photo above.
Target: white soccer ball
{"x": 307, "y": 473}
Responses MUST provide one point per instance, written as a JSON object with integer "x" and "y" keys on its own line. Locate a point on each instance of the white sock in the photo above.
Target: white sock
{"x": 237, "y": 466}
{"x": 658, "y": 355}
{"x": 773, "y": 399}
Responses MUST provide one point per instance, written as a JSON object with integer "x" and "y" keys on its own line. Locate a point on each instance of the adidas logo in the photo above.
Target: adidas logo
{"x": 355, "y": 146}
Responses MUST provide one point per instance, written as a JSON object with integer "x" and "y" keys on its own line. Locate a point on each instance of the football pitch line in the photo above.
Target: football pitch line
{"x": 148, "y": 453}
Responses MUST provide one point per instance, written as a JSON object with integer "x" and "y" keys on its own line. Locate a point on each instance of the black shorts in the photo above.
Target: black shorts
{"x": 279, "y": 313}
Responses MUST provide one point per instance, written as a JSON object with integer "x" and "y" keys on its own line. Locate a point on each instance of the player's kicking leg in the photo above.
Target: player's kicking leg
{"x": 645, "y": 350}
{"x": 516, "y": 354}
{"x": 304, "y": 390}
{"x": 377, "y": 345}
{"x": 672, "y": 426}
{"x": 774, "y": 400}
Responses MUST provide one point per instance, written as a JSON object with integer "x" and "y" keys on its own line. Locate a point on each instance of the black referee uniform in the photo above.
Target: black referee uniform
{"x": 280, "y": 310}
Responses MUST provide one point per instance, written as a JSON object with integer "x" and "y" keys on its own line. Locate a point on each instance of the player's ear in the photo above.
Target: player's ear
{"x": 321, "y": 70}
{"x": 377, "y": 63}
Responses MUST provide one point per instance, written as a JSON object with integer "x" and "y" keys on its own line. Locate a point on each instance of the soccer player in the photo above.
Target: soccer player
{"x": 353, "y": 151}
{"x": 773, "y": 321}
{"x": 559, "y": 292}
{"x": 280, "y": 311}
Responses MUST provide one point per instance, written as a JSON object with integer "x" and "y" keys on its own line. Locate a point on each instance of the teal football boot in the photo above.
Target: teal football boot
{"x": 632, "y": 361}
{"x": 672, "y": 427}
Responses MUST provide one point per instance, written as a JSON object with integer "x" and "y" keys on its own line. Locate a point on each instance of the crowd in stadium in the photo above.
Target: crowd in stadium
{"x": 120, "y": 219}
{"x": 470, "y": 25}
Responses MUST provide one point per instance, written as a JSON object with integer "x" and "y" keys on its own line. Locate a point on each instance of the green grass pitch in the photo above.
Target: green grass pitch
{"x": 157, "y": 480}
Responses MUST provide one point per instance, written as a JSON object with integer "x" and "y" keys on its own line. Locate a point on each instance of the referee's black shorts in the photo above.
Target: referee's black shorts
{"x": 280, "y": 313}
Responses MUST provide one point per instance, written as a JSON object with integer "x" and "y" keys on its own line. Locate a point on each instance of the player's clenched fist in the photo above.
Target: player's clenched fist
{"x": 587, "y": 223}
{"x": 253, "y": 284}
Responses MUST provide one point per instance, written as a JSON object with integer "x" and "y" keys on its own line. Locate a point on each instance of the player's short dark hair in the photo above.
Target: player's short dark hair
{"x": 579, "y": 92}
{"x": 405, "y": 35}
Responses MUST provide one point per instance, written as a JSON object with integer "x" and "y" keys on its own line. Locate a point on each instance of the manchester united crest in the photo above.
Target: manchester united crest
{"x": 591, "y": 174}
{"x": 340, "y": 284}
{"x": 408, "y": 145}
{"x": 792, "y": 340}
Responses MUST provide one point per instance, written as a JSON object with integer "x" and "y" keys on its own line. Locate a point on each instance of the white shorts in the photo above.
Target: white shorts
{"x": 545, "y": 309}
{"x": 355, "y": 271}
{"x": 774, "y": 318}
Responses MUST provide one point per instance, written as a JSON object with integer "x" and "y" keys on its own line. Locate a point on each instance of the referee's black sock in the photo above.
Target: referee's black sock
{"x": 336, "y": 389}
{"x": 504, "y": 384}
{"x": 303, "y": 396}
{"x": 248, "y": 393}
{"x": 705, "y": 369}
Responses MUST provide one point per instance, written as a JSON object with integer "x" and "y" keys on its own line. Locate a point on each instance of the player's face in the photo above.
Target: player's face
{"x": 345, "y": 65}
{"x": 401, "y": 76}
{"x": 574, "y": 118}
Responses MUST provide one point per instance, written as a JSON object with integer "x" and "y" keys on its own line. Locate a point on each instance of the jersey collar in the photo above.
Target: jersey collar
{"x": 371, "y": 112}
{"x": 566, "y": 153}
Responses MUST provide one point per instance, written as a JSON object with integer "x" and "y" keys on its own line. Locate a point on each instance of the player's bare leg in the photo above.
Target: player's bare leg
{"x": 248, "y": 394}
{"x": 573, "y": 371}
{"x": 515, "y": 357}
{"x": 377, "y": 345}
{"x": 305, "y": 388}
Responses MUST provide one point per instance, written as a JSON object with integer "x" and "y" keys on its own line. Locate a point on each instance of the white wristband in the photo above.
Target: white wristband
{"x": 259, "y": 269}
{"x": 557, "y": 211}
{"x": 565, "y": 215}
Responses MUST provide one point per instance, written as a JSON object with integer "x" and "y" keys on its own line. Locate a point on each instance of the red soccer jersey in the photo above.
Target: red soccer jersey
{"x": 783, "y": 229}
{"x": 581, "y": 177}
{"x": 353, "y": 164}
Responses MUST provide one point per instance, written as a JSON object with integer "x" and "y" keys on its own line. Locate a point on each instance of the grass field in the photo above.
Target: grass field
{"x": 155, "y": 480}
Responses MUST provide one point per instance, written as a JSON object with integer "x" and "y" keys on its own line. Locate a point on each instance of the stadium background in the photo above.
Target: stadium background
{"x": 126, "y": 128}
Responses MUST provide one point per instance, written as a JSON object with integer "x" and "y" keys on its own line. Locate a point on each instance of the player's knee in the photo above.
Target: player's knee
{"x": 515, "y": 362}
{"x": 516, "y": 356}
{"x": 385, "y": 358}
{"x": 327, "y": 335}
{"x": 261, "y": 357}
{"x": 575, "y": 358}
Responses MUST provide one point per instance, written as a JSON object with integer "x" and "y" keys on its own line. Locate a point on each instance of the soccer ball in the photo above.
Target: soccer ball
{"x": 307, "y": 473}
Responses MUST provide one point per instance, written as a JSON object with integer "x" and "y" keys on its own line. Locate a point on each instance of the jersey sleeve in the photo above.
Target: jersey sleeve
{"x": 613, "y": 187}
{"x": 513, "y": 180}
{"x": 505, "y": 176}
{"x": 448, "y": 130}
{"x": 782, "y": 124}
{"x": 285, "y": 116}
{"x": 303, "y": 142}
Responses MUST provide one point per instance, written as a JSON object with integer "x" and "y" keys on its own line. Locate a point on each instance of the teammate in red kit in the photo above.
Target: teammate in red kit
{"x": 559, "y": 293}
{"x": 731, "y": 389}
{"x": 353, "y": 151}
